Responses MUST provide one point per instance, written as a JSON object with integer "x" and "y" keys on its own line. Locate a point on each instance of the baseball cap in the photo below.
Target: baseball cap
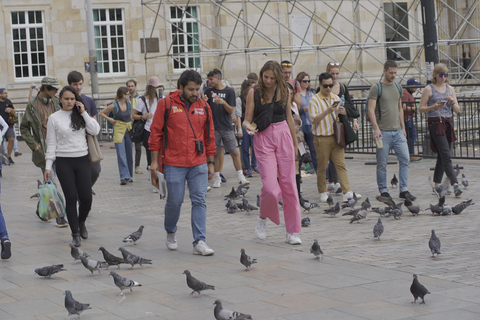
{"x": 154, "y": 82}
{"x": 51, "y": 81}
{"x": 413, "y": 82}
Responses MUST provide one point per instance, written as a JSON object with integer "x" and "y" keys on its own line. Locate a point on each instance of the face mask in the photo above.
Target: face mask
{"x": 159, "y": 93}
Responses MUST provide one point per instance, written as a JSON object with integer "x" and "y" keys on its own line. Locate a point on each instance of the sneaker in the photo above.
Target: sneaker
{"x": 248, "y": 173}
{"x": 6, "y": 249}
{"x": 37, "y": 215}
{"x": 261, "y": 229}
{"x": 202, "y": 249}
{"x": 130, "y": 180}
{"x": 123, "y": 182}
{"x": 330, "y": 186}
{"x": 439, "y": 190}
{"x": 11, "y": 160}
{"x": 17, "y": 154}
{"x": 457, "y": 191}
{"x": 5, "y": 161}
{"x": 293, "y": 238}
{"x": 386, "y": 195}
{"x": 244, "y": 182}
{"x": 217, "y": 182}
{"x": 172, "y": 241}
{"x": 223, "y": 178}
{"x": 323, "y": 197}
{"x": 61, "y": 223}
{"x": 338, "y": 188}
{"x": 406, "y": 194}
{"x": 209, "y": 188}
{"x": 138, "y": 170}
{"x": 255, "y": 169}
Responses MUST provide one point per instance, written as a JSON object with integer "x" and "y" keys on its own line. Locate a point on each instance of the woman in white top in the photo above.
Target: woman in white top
{"x": 67, "y": 145}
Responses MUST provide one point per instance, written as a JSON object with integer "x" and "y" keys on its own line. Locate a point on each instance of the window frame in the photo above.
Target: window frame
{"x": 391, "y": 27}
{"x": 184, "y": 20}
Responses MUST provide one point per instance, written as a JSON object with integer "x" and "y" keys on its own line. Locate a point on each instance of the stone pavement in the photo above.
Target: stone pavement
{"x": 358, "y": 278}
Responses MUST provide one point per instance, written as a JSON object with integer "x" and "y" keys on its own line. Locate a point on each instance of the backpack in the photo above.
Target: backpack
{"x": 379, "y": 85}
{"x": 138, "y": 126}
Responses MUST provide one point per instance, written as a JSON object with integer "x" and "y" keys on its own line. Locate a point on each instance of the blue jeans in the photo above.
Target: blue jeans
{"x": 197, "y": 180}
{"x": 3, "y": 226}
{"x": 393, "y": 140}
{"x": 247, "y": 142}
{"x": 125, "y": 157}
{"x": 308, "y": 136}
{"x": 411, "y": 134}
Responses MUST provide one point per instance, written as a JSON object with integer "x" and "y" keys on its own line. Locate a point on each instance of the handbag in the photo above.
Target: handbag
{"x": 50, "y": 204}
{"x": 138, "y": 126}
{"x": 339, "y": 132}
{"x": 94, "y": 152}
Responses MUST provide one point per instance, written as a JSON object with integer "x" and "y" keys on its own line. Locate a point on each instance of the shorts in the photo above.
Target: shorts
{"x": 227, "y": 138}
{"x": 10, "y": 133}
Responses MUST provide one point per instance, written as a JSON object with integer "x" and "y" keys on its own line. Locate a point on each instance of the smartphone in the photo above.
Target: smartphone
{"x": 335, "y": 104}
{"x": 443, "y": 101}
{"x": 33, "y": 87}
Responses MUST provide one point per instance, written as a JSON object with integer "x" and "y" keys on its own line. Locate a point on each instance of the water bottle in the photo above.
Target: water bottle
{"x": 342, "y": 101}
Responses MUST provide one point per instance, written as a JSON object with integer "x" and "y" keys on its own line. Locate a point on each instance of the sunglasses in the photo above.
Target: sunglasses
{"x": 288, "y": 65}
{"x": 327, "y": 85}
{"x": 306, "y": 81}
{"x": 334, "y": 64}
{"x": 442, "y": 75}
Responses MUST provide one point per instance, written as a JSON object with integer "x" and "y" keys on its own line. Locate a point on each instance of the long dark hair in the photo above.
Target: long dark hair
{"x": 76, "y": 118}
{"x": 246, "y": 84}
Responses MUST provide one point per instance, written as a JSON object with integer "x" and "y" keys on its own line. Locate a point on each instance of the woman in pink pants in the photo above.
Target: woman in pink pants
{"x": 273, "y": 126}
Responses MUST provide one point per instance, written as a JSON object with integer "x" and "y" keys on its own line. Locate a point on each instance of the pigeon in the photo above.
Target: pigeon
{"x": 415, "y": 210}
{"x": 306, "y": 222}
{"x": 351, "y": 202}
{"x": 47, "y": 272}
{"x": 353, "y": 211}
{"x": 456, "y": 170}
{"x": 397, "y": 211}
{"x": 435, "y": 209}
{"x": 316, "y": 249}
{"x": 394, "y": 181}
{"x": 245, "y": 206}
{"x": 464, "y": 181}
{"x": 434, "y": 244}
{"x": 330, "y": 201}
{"x": 333, "y": 210}
{"x": 307, "y": 206}
{"x": 132, "y": 259}
{"x": 224, "y": 314}
{"x": 39, "y": 186}
{"x": 446, "y": 210}
{"x": 73, "y": 306}
{"x": 378, "y": 229}
{"x": 382, "y": 210}
{"x": 462, "y": 206}
{"x": 232, "y": 195}
{"x": 195, "y": 284}
{"x": 135, "y": 236}
{"x": 246, "y": 260}
{"x": 93, "y": 265}
{"x": 123, "y": 283}
{"x": 418, "y": 290}
{"x": 408, "y": 202}
{"x": 361, "y": 214}
{"x": 231, "y": 206}
{"x": 241, "y": 191}
{"x": 258, "y": 200}
{"x": 77, "y": 253}
{"x": 366, "y": 203}
{"x": 110, "y": 258}
{"x": 387, "y": 200}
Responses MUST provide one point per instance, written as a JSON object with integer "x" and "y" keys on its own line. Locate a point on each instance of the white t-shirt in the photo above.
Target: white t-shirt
{"x": 140, "y": 107}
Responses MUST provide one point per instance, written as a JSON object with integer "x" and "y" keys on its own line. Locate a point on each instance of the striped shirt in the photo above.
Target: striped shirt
{"x": 318, "y": 104}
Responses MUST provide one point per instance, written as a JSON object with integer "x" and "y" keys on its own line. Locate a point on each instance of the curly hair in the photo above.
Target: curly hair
{"x": 77, "y": 121}
{"x": 282, "y": 94}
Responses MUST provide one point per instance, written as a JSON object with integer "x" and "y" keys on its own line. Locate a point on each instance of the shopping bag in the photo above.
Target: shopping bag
{"x": 51, "y": 204}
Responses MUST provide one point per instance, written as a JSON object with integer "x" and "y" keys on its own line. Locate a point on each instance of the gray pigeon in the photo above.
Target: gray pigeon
{"x": 241, "y": 191}
{"x": 246, "y": 260}
{"x": 462, "y": 206}
{"x": 387, "y": 200}
{"x": 353, "y": 211}
{"x": 195, "y": 284}
{"x": 378, "y": 229}
{"x": 361, "y": 214}
{"x": 77, "y": 253}
{"x": 464, "y": 181}
{"x": 231, "y": 206}
{"x": 418, "y": 290}
{"x": 434, "y": 244}
{"x": 123, "y": 283}
{"x": 306, "y": 205}
{"x": 394, "y": 181}
{"x": 382, "y": 210}
{"x": 73, "y": 306}
{"x": 224, "y": 314}
{"x": 47, "y": 272}
{"x": 446, "y": 210}
{"x": 435, "y": 209}
{"x": 93, "y": 265}
{"x": 258, "y": 200}
{"x": 132, "y": 259}
{"x": 330, "y": 201}
{"x": 110, "y": 258}
{"x": 232, "y": 195}
{"x": 333, "y": 210}
{"x": 351, "y": 202}
{"x": 245, "y": 206}
{"x": 135, "y": 236}
{"x": 316, "y": 249}
{"x": 407, "y": 202}
{"x": 397, "y": 211}
{"x": 306, "y": 222}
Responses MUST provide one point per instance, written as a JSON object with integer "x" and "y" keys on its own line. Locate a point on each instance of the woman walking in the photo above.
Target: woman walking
{"x": 306, "y": 94}
{"x": 67, "y": 146}
{"x": 275, "y": 148}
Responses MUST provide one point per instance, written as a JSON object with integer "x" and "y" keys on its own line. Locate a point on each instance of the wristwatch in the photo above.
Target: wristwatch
{"x": 212, "y": 162}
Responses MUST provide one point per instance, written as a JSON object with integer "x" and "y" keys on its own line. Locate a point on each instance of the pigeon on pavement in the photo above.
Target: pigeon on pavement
{"x": 110, "y": 258}
{"x": 47, "y": 272}
{"x": 418, "y": 290}
{"x": 333, "y": 210}
{"x": 382, "y": 210}
{"x": 135, "y": 236}
{"x": 415, "y": 210}
{"x": 123, "y": 283}
{"x": 231, "y": 206}
{"x": 330, "y": 201}
{"x": 316, "y": 249}
{"x": 434, "y": 244}
{"x": 232, "y": 195}
{"x": 378, "y": 229}
{"x": 464, "y": 181}
{"x": 351, "y": 202}
{"x": 387, "y": 200}
{"x": 195, "y": 284}
{"x": 307, "y": 206}
{"x": 77, "y": 253}
{"x": 241, "y": 191}
{"x": 407, "y": 202}
{"x": 462, "y": 206}
{"x": 224, "y": 314}
{"x": 306, "y": 222}
{"x": 246, "y": 260}
{"x": 132, "y": 259}
{"x": 73, "y": 306}
{"x": 247, "y": 206}
{"x": 397, "y": 211}
{"x": 353, "y": 211}
{"x": 93, "y": 265}
{"x": 394, "y": 181}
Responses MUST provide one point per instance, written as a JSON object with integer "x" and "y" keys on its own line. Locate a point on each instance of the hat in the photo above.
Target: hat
{"x": 51, "y": 81}
{"x": 413, "y": 82}
{"x": 2, "y": 89}
{"x": 154, "y": 82}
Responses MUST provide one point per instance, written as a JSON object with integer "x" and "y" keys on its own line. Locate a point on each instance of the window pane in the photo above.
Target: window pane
{"x": 120, "y": 43}
{"x": 43, "y": 71}
{"x": 33, "y": 46}
{"x": 103, "y": 15}
{"x": 96, "y": 31}
{"x": 15, "y": 34}
{"x": 25, "y": 72}
{"x": 114, "y": 55}
{"x": 120, "y": 30}
{"x": 34, "y": 58}
{"x": 114, "y": 42}
{"x": 25, "y": 58}
{"x": 23, "y": 46}
{"x": 115, "y": 67}
{"x": 31, "y": 16}
{"x": 95, "y": 15}
{"x": 111, "y": 14}
{"x": 106, "y": 67}
{"x": 18, "y": 72}
{"x": 122, "y": 66}
{"x": 121, "y": 54}
{"x": 39, "y": 33}
{"x": 35, "y": 71}
{"x": 38, "y": 16}
{"x": 14, "y": 17}
{"x": 119, "y": 14}
{"x": 16, "y": 46}
{"x": 17, "y": 59}
{"x": 113, "y": 31}
{"x": 23, "y": 34}
{"x": 21, "y": 17}
{"x": 40, "y": 45}
{"x": 32, "y": 33}
{"x": 41, "y": 57}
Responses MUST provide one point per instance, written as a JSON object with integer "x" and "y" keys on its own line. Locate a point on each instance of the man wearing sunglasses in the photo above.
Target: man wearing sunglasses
{"x": 287, "y": 68}
{"x": 385, "y": 112}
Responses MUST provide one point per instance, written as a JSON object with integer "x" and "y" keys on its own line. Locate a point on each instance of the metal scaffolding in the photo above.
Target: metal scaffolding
{"x": 458, "y": 24}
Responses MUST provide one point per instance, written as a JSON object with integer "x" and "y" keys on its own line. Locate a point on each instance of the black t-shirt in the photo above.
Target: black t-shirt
{"x": 3, "y": 105}
{"x": 222, "y": 120}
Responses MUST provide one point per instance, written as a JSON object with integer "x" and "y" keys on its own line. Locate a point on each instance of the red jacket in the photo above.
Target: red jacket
{"x": 181, "y": 151}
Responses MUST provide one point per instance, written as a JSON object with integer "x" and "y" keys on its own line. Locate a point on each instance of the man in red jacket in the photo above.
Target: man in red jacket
{"x": 188, "y": 155}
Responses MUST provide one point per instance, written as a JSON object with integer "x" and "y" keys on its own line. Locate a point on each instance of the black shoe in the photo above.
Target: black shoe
{"x": 11, "y": 160}
{"x": 61, "y": 222}
{"x": 6, "y": 249}
{"x": 123, "y": 182}
{"x": 130, "y": 180}
{"x": 83, "y": 230}
{"x": 76, "y": 241}
{"x": 37, "y": 215}
{"x": 386, "y": 195}
{"x": 223, "y": 178}
{"x": 406, "y": 194}
{"x": 1, "y": 174}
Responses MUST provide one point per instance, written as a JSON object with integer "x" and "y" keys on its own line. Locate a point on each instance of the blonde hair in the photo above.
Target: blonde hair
{"x": 439, "y": 68}
{"x": 282, "y": 95}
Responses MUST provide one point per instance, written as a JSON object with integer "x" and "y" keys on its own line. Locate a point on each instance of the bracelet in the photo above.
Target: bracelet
{"x": 211, "y": 162}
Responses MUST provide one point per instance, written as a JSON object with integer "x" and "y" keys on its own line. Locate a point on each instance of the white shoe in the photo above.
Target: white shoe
{"x": 209, "y": 188}
{"x": 349, "y": 195}
{"x": 331, "y": 187}
{"x": 217, "y": 182}
{"x": 202, "y": 249}
{"x": 172, "y": 241}
{"x": 243, "y": 181}
{"x": 260, "y": 230}
{"x": 293, "y": 238}
{"x": 323, "y": 197}
{"x": 337, "y": 188}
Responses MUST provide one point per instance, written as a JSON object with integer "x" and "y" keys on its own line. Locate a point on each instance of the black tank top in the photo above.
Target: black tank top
{"x": 278, "y": 109}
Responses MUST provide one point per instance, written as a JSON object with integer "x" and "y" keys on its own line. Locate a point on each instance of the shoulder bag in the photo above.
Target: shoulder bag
{"x": 94, "y": 152}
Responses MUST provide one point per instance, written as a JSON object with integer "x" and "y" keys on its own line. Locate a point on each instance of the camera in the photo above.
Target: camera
{"x": 199, "y": 146}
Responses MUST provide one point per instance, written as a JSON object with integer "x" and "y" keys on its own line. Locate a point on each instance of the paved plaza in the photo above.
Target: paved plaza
{"x": 358, "y": 278}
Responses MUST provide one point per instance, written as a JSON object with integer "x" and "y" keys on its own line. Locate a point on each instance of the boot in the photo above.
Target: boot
{"x": 83, "y": 230}
{"x": 76, "y": 241}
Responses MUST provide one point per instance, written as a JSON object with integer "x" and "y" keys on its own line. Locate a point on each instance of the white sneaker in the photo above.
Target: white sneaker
{"x": 217, "y": 182}
{"x": 293, "y": 238}
{"x": 171, "y": 241}
{"x": 243, "y": 181}
{"x": 330, "y": 187}
{"x": 323, "y": 197}
{"x": 337, "y": 188}
{"x": 260, "y": 230}
{"x": 349, "y": 195}
{"x": 202, "y": 249}
{"x": 209, "y": 188}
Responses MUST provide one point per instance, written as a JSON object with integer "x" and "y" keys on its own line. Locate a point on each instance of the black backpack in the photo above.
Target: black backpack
{"x": 138, "y": 126}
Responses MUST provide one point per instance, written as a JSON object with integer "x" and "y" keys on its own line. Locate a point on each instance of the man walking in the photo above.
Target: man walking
{"x": 409, "y": 110}
{"x": 386, "y": 115}
{"x": 182, "y": 132}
